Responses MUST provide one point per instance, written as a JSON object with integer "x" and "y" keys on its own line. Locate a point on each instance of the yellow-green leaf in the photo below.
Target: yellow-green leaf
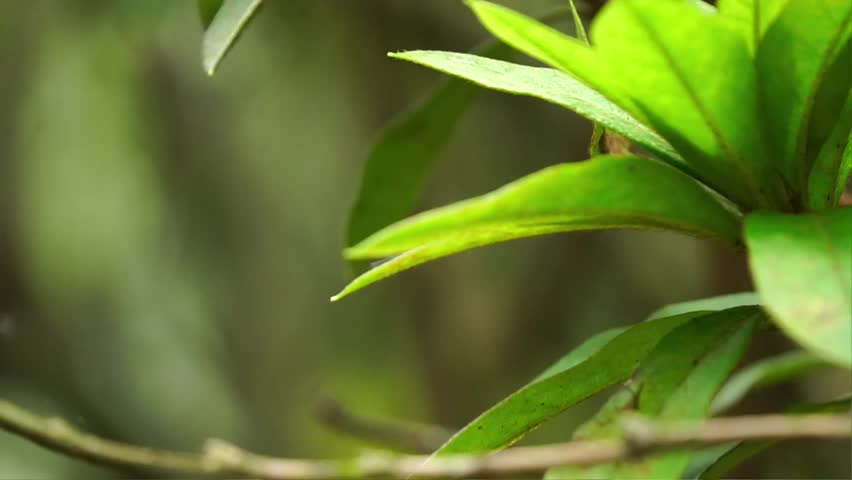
{"x": 605, "y": 192}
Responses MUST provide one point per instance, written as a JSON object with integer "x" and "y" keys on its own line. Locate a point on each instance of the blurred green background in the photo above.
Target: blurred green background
{"x": 169, "y": 241}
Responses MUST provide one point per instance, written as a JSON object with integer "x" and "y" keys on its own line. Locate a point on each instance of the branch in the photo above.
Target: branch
{"x": 641, "y": 437}
{"x": 407, "y": 437}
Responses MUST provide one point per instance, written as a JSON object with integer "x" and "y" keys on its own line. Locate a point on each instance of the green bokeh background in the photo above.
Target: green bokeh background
{"x": 169, "y": 241}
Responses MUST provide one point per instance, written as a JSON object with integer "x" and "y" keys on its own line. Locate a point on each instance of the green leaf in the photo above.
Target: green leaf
{"x": 792, "y": 60}
{"x": 400, "y": 160}
{"x": 604, "y": 424}
{"x": 664, "y": 372}
{"x": 229, "y": 21}
{"x": 547, "y": 84}
{"x": 683, "y": 373}
{"x": 672, "y": 363}
{"x": 207, "y": 11}
{"x": 512, "y": 418}
{"x": 751, "y": 17}
{"x": 802, "y": 266}
{"x": 722, "y": 302}
{"x": 739, "y": 452}
{"x": 581, "y": 353}
{"x": 553, "y": 48}
{"x": 605, "y": 192}
{"x": 766, "y": 372}
{"x": 833, "y": 163}
{"x": 669, "y": 56}
{"x": 407, "y": 149}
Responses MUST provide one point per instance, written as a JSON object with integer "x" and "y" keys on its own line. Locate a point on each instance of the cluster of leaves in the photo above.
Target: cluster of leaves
{"x": 740, "y": 117}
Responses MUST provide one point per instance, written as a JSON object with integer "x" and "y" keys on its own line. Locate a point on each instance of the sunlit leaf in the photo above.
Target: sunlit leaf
{"x": 802, "y": 266}
{"x": 405, "y": 152}
{"x": 527, "y": 408}
{"x": 605, "y": 192}
{"x": 227, "y": 24}
{"x": 547, "y": 84}
{"x": 751, "y": 17}
{"x": 670, "y": 56}
{"x": 401, "y": 158}
{"x": 792, "y": 60}
{"x": 552, "y": 47}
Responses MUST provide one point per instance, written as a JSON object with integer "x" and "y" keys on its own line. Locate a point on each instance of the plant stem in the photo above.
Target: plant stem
{"x": 641, "y": 436}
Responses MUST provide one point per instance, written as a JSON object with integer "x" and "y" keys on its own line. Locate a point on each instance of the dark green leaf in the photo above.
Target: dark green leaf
{"x": 673, "y": 365}
{"x": 833, "y": 164}
{"x": 602, "y": 425}
{"x": 581, "y": 353}
{"x": 682, "y": 374}
{"x": 792, "y": 60}
{"x": 207, "y": 11}
{"x": 767, "y": 372}
{"x": 546, "y": 84}
{"x": 673, "y": 362}
{"x": 229, "y": 21}
{"x": 512, "y": 418}
{"x": 802, "y": 266}
{"x": 605, "y": 192}
{"x": 739, "y": 452}
{"x": 723, "y": 302}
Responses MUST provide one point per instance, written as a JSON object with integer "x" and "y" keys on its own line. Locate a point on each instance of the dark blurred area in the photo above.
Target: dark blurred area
{"x": 169, "y": 241}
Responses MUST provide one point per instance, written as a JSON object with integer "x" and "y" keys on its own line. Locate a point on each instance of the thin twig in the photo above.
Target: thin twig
{"x": 398, "y": 436}
{"x": 641, "y": 436}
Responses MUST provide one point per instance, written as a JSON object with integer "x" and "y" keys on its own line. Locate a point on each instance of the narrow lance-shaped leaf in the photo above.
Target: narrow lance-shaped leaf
{"x": 661, "y": 373}
{"x": 802, "y": 266}
{"x": 642, "y": 58}
{"x": 722, "y": 302}
{"x": 766, "y": 372}
{"x": 603, "y": 425}
{"x": 512, "y": 418}
{"x": 742, "y": 451}
{"x": 792, "y": 60}
{"x": 581, "y": 353}
{"x": 669, "y": 56}
{"x": 833, "y": 163}
{"x": 606, "y": 192}
{"x": 549, "y": 85}
{"x": 405, "y": 152}
{"x": 207, "y": 11}
{"x": 227, "y": 24}
{"x": 553, "y": 48}
{"x": 684, "y": 372}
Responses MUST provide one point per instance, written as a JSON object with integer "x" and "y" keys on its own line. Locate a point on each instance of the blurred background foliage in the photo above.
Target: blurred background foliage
{"x": 169, "y": 241}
